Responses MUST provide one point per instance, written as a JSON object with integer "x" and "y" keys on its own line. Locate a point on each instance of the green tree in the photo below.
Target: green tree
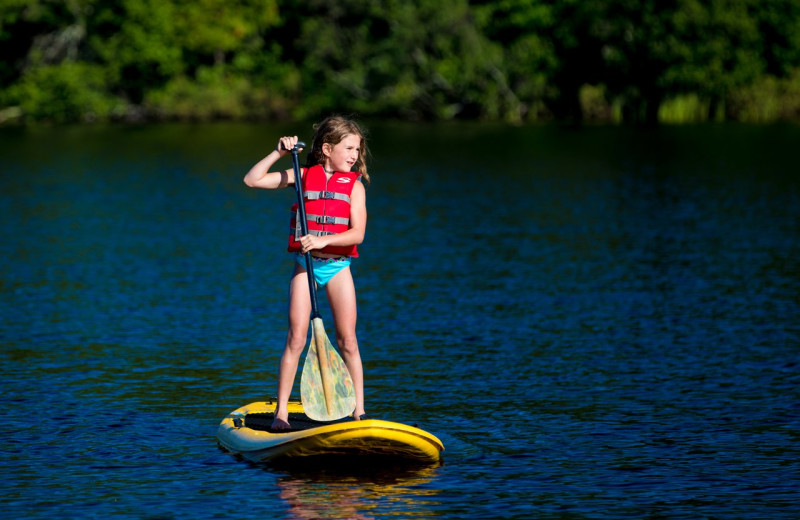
{"x": 398, "y": 57}
{"x": 778, "y": 24}
{"x": 511, "y": 60}
{"x": 39, "y": 32}
{"x": 524, "y": 58}
{"x": 41, "y": 73}
{"x": 69, "y": 91}
{"x": 137, "y": 42}
{"x": 226, "y": 68}
{"x": 713, "y": 48}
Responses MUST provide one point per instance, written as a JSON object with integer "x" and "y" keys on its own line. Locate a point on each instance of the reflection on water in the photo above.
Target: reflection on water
{"x": 358, "y": 491}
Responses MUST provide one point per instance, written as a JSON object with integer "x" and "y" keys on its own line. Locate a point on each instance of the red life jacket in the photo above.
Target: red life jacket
{"x": 327, "y": 205}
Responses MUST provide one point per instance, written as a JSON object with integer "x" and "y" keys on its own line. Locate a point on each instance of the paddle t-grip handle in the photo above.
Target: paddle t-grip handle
{"x": 300, "y": 144}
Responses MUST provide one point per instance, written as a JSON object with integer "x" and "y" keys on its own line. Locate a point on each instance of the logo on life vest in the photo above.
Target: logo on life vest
{"x": 343, "y": 180}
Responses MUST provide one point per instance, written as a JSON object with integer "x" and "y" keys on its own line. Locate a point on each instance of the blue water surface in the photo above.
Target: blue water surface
{"x": 598, "y": 322}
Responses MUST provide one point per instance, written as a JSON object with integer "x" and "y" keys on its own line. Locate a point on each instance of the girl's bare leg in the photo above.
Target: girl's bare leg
{"x": 342, "y": 299}
{"x": 299, "y": 311}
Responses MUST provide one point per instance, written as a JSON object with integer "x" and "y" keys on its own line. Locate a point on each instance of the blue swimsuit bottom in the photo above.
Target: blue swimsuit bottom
{"x": 324, "y": 268}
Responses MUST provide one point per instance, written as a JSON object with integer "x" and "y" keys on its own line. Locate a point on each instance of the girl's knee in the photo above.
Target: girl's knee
{"x": 347, "y": 344}
{"x": 296, "y": 341}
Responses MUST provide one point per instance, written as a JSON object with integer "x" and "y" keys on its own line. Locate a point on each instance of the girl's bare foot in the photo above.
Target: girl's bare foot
{"x": 280, "y": 424}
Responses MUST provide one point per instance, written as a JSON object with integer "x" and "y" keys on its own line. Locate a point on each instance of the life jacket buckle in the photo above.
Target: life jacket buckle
{"x": 326, "y": 194}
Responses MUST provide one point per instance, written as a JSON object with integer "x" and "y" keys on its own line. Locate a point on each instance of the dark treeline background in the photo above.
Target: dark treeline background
{"x": 507, "y": 60}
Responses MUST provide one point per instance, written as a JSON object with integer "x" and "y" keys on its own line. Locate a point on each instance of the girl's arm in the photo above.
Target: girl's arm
{"x": 259, "y": 175}
{"x": 358, "y": 225}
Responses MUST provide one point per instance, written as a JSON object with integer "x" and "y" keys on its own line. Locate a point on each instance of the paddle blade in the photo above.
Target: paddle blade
{"x": 326, "y": 388}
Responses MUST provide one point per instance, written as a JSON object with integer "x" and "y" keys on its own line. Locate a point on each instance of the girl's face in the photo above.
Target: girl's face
{"x": 342, "y": 156}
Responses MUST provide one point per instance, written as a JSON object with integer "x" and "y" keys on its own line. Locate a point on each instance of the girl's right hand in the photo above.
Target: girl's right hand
{"x": 285, "y": 145}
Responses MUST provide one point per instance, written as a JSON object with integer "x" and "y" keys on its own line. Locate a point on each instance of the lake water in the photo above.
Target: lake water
{"x": 597, "y": 323}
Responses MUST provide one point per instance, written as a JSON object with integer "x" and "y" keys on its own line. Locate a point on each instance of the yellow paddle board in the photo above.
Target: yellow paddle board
{"x": 246, "y": 432}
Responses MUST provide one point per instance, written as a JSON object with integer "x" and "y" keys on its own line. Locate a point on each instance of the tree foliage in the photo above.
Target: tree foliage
{"x": 510, "y": 60}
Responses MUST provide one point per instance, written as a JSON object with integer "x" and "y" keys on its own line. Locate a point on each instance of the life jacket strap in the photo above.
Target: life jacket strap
{"x": 329, "y": 195}
{"x": 317, "y": 233}
{"x": 327, "y": 219}
{"x": 324, "y": 219}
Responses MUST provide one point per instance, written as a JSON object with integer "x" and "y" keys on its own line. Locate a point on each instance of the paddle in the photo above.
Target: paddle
{"x": 326, "y": 388}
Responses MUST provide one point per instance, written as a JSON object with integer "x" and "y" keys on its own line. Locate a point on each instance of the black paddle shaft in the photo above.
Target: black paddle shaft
{"x": 301, "y": 214}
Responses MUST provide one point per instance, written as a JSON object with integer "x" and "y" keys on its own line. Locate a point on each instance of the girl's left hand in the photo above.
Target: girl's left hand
{"x": 311, "y": 242}
{"x": 285, "y": 145}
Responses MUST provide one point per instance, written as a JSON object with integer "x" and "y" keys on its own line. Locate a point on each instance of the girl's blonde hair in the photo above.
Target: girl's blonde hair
{"x": 331, "y": 131}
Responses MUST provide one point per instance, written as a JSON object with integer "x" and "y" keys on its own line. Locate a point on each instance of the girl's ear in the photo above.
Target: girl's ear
{"x": 326, "y": 149}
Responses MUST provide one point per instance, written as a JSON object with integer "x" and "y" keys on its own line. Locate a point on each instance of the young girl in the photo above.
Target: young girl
{"x": 335, "y": 163}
